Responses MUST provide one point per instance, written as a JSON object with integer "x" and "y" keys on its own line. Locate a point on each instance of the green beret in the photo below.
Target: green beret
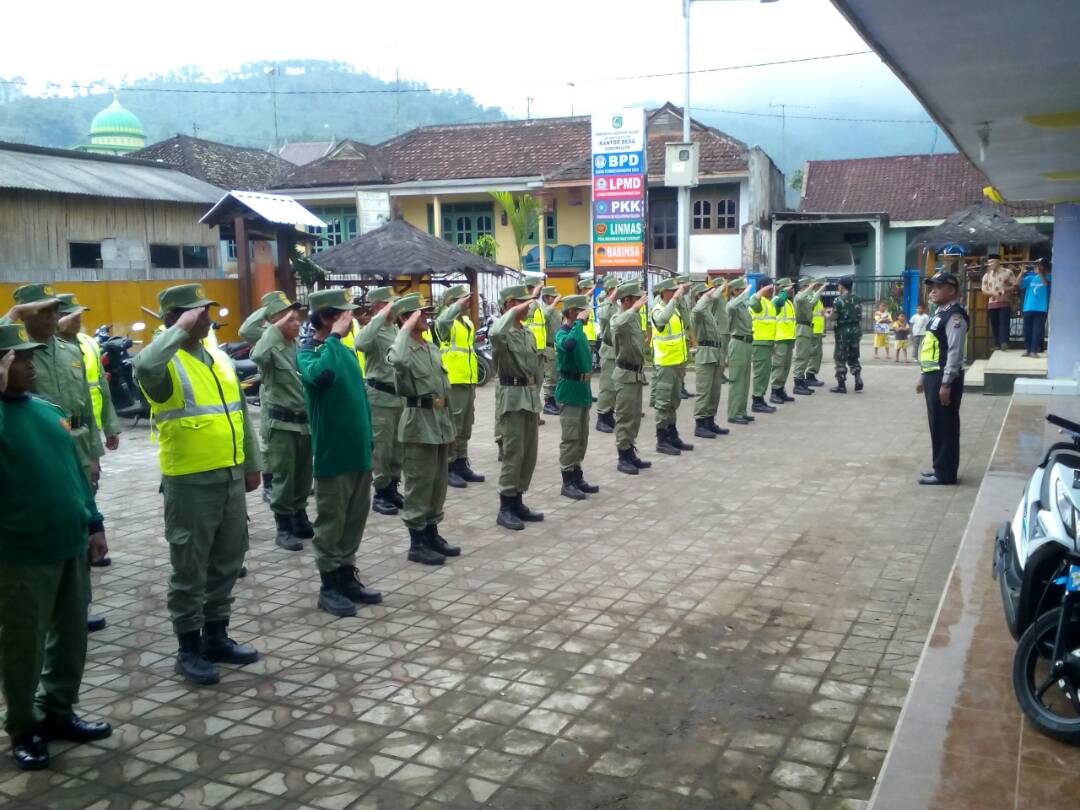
{"x": 380, "y": 294}
{"x": 575, "y": 302}
{"x": 455, "y": 292}
{"x": 516, "y": 292}
{"x": 665, "y": 284}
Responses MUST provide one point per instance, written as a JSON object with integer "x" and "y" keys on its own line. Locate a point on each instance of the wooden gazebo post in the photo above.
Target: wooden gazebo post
{"x": 474, "y": 296}
{"x": 243, "y": 265}
{"x": 285, "y": 278}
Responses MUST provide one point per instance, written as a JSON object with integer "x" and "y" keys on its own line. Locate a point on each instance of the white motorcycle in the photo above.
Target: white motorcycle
{"x": 1037, "y": 565}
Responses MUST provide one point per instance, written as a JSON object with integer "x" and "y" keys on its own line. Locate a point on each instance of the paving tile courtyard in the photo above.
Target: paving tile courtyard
{"x": 734, "y": 628}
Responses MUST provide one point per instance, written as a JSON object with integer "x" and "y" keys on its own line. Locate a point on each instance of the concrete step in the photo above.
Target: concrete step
{"x": 1005, "y": 367}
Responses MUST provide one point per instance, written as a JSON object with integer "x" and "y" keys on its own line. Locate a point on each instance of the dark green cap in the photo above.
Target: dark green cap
{"x": 13, "y": 337}
{"x": 665, "y": 284}
{"x": 276, "y": 302}
{"x": 69, "y": 304}
{"x": 516, "y": 292}
{"x": 628, "y": 289}
{"x": 183, "y": 296}
{"x": 455, "y": 292}
{"x": 737, "y": 284}
{"x": 32, "y": 293}
{"x": 575, "y": 302}
{"x": 380, "y": 294}
{"x": 700, "y": 287}
{"x": 783, "y": 283}
{"x": 334, "y": 298}
{"x": 408, "y": 304}
{"x": 683, "y": 279}
{"x": 550, "y": 291}
{"x": 587, "y": 281}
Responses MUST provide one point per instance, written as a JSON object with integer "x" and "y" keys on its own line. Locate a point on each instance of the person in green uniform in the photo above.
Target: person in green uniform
{"x": 587, "y": 286}
{"x": 209, "y": 458}
{"x": 764, "y": 320}
{"x": 628, "y": 376}
{"x": 605, "y": 401}
{"x": 723, "y": 326}
{"x": 375, "y": 339}
{"x": 686, "y": 306}
{"x": 517, "y": 405}
{"x": 670, "y": 355}
{"x": 573, "y": 392}
{"x": 49, "y": 526}
{"x": 69, "y": 328}
{"x": 784, "y": 342}
{"x": 426, "y": 430}
{"x": 456, "y": 334}
{"x": 549, "y": 307}
{"x": 806, "y": 301}
{"x": 847, "y": 325}
{"x": 817, "y": 320}
{"x": 337, "y": 404}
{"x": 287, "y": 434}
{"x": 742, "y": 335}
{"x": 707, "y": 359}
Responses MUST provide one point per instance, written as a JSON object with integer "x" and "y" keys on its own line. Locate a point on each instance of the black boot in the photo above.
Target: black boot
{"x": 626, "y": 463}
{"x": 285, "y": 538}
{"x": 569, "y": 486}
{"x": 72, "y": 728}
{"x": 605, "y": 422}
{"x": 813, "y": 381}
{"x": 191, "y": 664}
{"x": 858, "y": 382}
{"x": 220, "y": 649}
{"x": 777, "y": 397}
{"x": 331, "y": 599}
{"x": 759, "y": 405}
{"x": 95, "y": 624}
{"x": 267, "y": 486}
{"x": 784, "y": 395}
{"x": 663, "y": 443}
{"x": 684, "y": 394}
{"x": 420, "y": 551}
{"x": 675, "y": 441}
{"x": 438, "y": 543}
{"x": 507, "y": 518}
{"x": 453, "y": 477}
{"x": 715, "y": 428}
{"x": 498, "y": 443}
{"x": 637, "y": 461}
{"x": 583, "y": 485}
{"x": 524, "y": 512}
{"x": 30, "y": 751}
{"x": 551, "y": 407}
{"x": 393, "y": 494}
{"x": 466, "y": 472}
{"x": 350, "y": 585}
{"x": 739, "y": 420}
{"x": 840, "y": 387}
{"x": 801, "y": 387}
{"x": 702, "y": 429}
{"x": 382, "y": 504}
{"x": 301, "y": 526}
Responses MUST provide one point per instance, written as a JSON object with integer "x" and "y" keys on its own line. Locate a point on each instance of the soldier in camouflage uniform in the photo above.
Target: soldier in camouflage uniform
{"x": 848, "y": 314}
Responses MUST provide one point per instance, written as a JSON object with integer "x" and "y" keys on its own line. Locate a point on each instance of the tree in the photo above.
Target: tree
{"x": 521, "y": 212}
{"x": 796, "y": 180}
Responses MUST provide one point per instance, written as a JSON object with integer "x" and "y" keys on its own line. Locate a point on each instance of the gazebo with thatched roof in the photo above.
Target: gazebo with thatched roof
{"x": 403, "y": 256}
{"x": 980, "y": 225}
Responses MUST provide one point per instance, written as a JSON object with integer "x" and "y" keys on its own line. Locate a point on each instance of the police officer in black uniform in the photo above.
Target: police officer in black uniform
{"x": 941, "y": 362}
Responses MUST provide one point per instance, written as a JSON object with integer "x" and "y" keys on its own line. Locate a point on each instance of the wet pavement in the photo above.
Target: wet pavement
{"x": 734, "y": 628}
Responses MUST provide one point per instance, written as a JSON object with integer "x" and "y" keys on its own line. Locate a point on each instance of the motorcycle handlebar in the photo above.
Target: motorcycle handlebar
{"x": 1064, "y": 424}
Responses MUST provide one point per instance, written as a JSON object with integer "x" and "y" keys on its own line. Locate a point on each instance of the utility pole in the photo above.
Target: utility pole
{"x": 273, "y": 99}
{"x": 783, "y": 126}
{"x": 528, "y": 108}
{"x": 682, "y": 245}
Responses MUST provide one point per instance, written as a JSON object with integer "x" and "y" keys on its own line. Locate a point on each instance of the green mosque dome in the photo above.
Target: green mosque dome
{"x": 115, "y": 120}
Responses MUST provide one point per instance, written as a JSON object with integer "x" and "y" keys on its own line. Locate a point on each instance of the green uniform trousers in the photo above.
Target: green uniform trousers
{"x": 761, "y": 354}
{"x": 574, "y": 421}
{"x": 815, "y": 355}
{"x": 551, "y": 374}
{"x": 206, "y": 528}
{"x": 708, "y": 383}
{"x": 425, "y": 484}
{"x": 519, "y": 431}
{"x": 666, "y": 389}
{"x": 462, "y": 411}
{"x": 739, "y": 373}
{"x": 629, "y": 397}
{"x": 781, "y": 362}
{"x": 386, "y": 451}
{"x": 605, "y": 397}
{"x": 288, "y": 459}
{"x": 343, "y": 503}
{"x": 42, "y": 639}
{"x": 804, "y": 351}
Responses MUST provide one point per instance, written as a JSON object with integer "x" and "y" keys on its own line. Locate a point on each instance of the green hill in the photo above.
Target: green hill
{"x": 187, "y": 101}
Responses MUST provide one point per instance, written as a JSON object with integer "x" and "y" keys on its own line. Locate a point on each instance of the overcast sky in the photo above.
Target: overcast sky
{"x": 500, "y": 52}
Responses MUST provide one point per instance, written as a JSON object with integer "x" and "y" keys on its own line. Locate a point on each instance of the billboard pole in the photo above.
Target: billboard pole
{"x": 682, "y": 254}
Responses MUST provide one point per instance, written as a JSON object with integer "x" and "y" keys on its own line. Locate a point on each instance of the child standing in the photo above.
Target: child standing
{"x": 919, "y": 322}
{"x": 882, "y": 328}
{"x": 901, "y": 333}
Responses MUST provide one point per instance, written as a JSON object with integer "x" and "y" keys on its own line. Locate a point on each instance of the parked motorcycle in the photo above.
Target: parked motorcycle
{"x": 1037, "y": 565}
{"x": 127, "y": 397}
{"x": 246, "y": 370}
{"x": 485, "y": 363}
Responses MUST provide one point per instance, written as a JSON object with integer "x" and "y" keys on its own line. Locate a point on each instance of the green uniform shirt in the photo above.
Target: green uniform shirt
{"x": 573, "y": 356}
{"x": 739, "y": 317}
{"x": 703, "y": 318}
{"x": 847, "y": 315}
{"x": 804, "y": 311}
{"x": 337, "y": 407}
{"x": 445, "y": 321}
{"x": 281, "y": 387}
{"x": 554, "y": 318}
{"x": 720, "y": 312}
{"x": 110, "y": 422}
{"x": 375, "y": 340}
{"x": 629, "y": 340}
{"x": 152, "y": 373}
{"x": 661, "y": 312}
{"x": 419, "y": 373}
{"x": 607, "y": 348}
{"x": 48, "y": 505}
{"x": 513, "y": 348}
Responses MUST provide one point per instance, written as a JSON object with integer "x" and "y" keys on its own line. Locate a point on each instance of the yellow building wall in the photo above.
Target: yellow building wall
{"x": 118, "y": 303}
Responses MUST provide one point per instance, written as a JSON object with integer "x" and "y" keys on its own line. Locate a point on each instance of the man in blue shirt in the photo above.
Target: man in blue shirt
{"x": 1036, "y": 288}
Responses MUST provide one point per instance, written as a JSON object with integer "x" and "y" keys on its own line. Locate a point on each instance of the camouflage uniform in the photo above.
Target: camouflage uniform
{"x": 848, "y": 314}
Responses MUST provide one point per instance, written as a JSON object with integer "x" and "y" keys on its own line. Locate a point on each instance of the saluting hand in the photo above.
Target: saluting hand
{"x": 5, "y": 364}
{"x": 342, "y": 324}
{"x": 189, "y": 318}
{"x": 410, "y": 322}
{"x": 640, "y": 303}
{"x": 29, "y": 309}
{"x": 583, "y": 315}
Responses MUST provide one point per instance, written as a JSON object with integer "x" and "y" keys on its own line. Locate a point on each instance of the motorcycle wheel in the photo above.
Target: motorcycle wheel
{"x": 483, "y": 371}
{"x": 1052, "y": 704}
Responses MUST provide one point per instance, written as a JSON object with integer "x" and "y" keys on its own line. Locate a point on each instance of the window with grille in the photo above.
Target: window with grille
{"x": 715, "y": 210}
{"x": 464, "y": 223}
{"x": 665, "y": 225}
{"x": 340, "y": 227}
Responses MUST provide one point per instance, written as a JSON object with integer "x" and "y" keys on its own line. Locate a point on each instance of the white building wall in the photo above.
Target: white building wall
{"x": 721, "y": 251}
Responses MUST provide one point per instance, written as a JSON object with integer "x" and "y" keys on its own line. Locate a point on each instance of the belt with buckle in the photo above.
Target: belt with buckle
{"x": 575, "y": 377}
{"x": 743, "y": 338}
{"x": 430, "y": 403}
{"x": 286, "y": 415}
{"x": 712, "y": 344}
{"x": 505, "y": 379}
{"x": 381, "y": 386}
{"x": 627, "y": 366}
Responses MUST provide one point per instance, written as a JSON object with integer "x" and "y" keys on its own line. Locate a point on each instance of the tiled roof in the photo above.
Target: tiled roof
{"x": 227, "y": 167}
{"x": 348, "y": 163}
{"x": 906, "y": 187}
{"x": 303, "y": 152}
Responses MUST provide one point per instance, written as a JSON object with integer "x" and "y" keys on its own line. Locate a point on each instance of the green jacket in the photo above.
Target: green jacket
{"x": 374, "y": 340}
{"x": 847, "y": 312}
{"x": 49, "y": 510}
{"x": 337, "y": 407}
{"x": 513, "y": 348}
{"x": 739, "y": 318}
{"x": 573, "y": 356}
{"x": 629, "y": 340}
{"x": 703, "y": 318}
{"x": 281, "y": 386}
{"x": 152, "y": 372}
{"x": 419, "y": 373}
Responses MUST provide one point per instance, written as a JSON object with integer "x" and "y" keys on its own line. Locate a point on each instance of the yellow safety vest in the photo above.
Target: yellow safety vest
{"x": 819, "y": 318}
{"x": 785, "y": 321}
{"x": 669, "y": 343}
{"x": 459, "y": 353}
{"x": 644, "y": 319}
{"x": 201, "y": 425}
{"x": 538, "y": 324}
{"x": 764, "y": 320}
{"x": 350, "y": 341}
{"x": 590, "y": 326}
{"x": 92, "y": 367}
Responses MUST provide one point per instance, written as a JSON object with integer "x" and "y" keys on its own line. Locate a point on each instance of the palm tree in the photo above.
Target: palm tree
{"x": 522, "y": 212}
